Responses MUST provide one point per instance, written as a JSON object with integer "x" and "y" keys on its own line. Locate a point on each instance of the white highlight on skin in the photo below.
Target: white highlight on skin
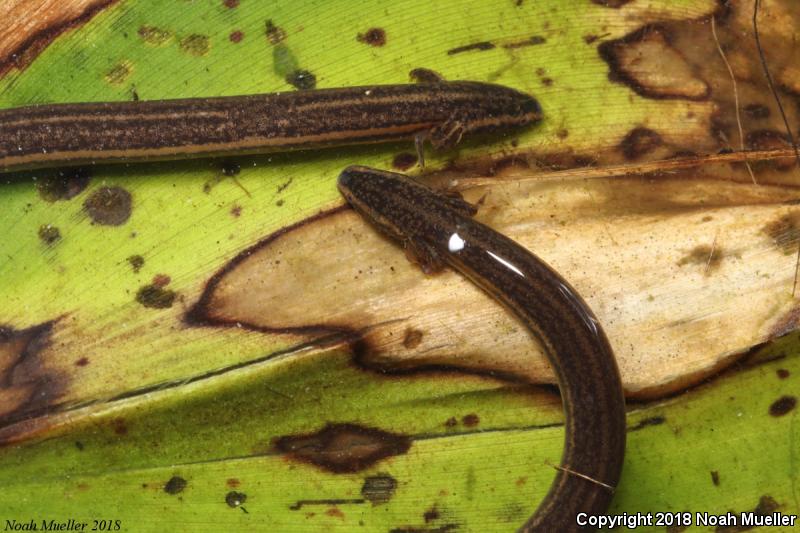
{"x": 456, "y": 243}
{"x": 505, "y": 263}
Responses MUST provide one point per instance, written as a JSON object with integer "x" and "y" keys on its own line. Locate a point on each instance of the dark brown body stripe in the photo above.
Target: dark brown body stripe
{"x": 48, "y": 135}
{"x": 572, "y": 338}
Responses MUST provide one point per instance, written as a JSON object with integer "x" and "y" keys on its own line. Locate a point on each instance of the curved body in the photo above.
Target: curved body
{"x": 439, "y": 229}
{"x": 73, "y": 134}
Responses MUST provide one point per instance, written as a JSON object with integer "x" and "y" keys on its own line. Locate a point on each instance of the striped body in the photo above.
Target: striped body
{"x": 75, "y": 134}
{"x": 439, "y": 230}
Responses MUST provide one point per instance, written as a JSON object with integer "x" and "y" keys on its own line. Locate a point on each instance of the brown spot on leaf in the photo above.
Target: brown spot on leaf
{"x": 30, "y": 31}
{"x": 342, "y": 448}
{"x": 119, "y": 426}
{"x": 335, "y": 511}
{"x": 232, "y": 482}
{"x": 431, "y": 514}
{"x": 471, "y": 420}
{"x": 451, "y": 422}
{"x": 404, "y": 161}
{"x": 715, "y": 478}
{"x": 412, "y": 338}
{"x": 65, "y": 185}
{"x": 483, "y": 45}
{"x": 236, "y": 36}
{"x": 49, "y": 234}
{"x": 372, "y": 37}
{"x": 646, "y": 62}
{"x": 302, "y": 79}
{"x": 783, "y": 405}
{"x": 109, "y": 206}
{"x": 275, "y": 34}
{"x": 155, "y": 297}
{"x": 83, "y": 361}
{"x": 378, "y": 489}
{"x": 153, "y": 35}
{"x": 782, "y": 373}
{"x": 175, "y": 485}
{"x": 235, "y": 499}
{"x": 766, "y": 505}
{"x": 196, "y": 44}
{"x": 707, "y": 256}
{"x": 28, "y": 386}
{"x": 119, "y": 73}
{"x": 236, "y": 211}
{"x": 784, "y": 231}
{"x": 136, "y": 262}
{"x": 638, "y": 142}
{"x": 161, "y": 280}
{"x": 230, "y": 4}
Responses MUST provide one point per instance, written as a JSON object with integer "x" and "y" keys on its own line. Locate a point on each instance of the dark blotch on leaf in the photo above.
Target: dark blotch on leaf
{"x": 196, "y": 44}
{"x": 483, "y": 46}
{"x": 715, "y": 478}
{"x": 161, "y": 280}
{"x": 404, "y": 161}
{"x": 235, "y": 499}
{"x": 343, "y": 448}
{"x": 302, "y": 79}
{"x": 65, "y": 185}
{"x": 766, "y": 505}
{"x": 639, "y": 142}
{"x": 136, "y": 262}
{"x": 373, "y": 37}
{"x": 155, "y": 297}
{"x": 378, "y": 489}
{"x": 49, "y": 234}
{"x": 783, "y": 405}
{"x": 471, "y": 420}
{"x": 175, "y": 485}
{"x": 784, "y": 232}
{"x": 430, "y": 515}
{"x": 236, "y": 36}
{"x": 119, "y": 426}
{"x": 782, "y": 373}
{"x": 154, "y": 35}
{"x": 109, "y": 206}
